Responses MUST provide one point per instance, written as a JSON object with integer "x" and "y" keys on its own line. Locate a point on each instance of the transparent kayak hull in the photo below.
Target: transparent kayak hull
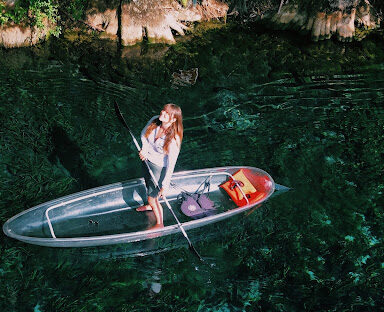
{"x": 107, "y": 215}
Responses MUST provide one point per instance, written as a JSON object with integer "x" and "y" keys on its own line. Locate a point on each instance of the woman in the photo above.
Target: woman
{"x": 161, "y": 139}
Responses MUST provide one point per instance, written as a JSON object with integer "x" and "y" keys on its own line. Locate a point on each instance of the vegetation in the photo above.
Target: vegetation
{"x": 32, "y": 12}
{"x": 39, "y": 13}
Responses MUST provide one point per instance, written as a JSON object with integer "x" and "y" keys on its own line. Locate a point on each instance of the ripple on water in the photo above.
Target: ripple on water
{"x": 320, "y": 135}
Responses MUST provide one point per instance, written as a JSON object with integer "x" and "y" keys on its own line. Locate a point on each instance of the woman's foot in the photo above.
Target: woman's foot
{"x": 144, "y": 208}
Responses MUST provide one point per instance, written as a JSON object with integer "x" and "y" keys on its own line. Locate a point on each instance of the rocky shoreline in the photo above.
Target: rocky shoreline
{"x": 345, "y": 25}
{"x": 159, "y": 21}
{"x": 129, "y": 23}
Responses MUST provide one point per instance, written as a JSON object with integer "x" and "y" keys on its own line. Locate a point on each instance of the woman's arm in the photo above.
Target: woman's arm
{"x": 144, "y": 141}
{"x": 173, "y": 154}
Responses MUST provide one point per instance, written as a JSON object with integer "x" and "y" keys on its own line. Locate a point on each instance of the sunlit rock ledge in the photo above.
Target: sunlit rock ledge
{"x": 157, "y": 21}
{"x": 16, "y": 36}
{"x": 153, "y": 20}
{"x": 345, "y": 25}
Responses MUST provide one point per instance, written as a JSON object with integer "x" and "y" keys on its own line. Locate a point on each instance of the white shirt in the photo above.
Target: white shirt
{"x": 153, "y": 150}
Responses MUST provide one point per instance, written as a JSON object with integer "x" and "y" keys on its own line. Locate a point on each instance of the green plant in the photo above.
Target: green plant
{"x": 39, "y": 13}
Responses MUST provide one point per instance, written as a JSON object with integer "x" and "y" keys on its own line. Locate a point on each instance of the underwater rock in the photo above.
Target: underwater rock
{"x": 184, "y": 78}
{"x": 229, "y": 113}
{"x": 137, "y": 51}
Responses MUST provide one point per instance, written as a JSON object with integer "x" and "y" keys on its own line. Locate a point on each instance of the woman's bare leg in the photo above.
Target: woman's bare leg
{"x": 157, "y": 210}
{"x": 160, "y": 209}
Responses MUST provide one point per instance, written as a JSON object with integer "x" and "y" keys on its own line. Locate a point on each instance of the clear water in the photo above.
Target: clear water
{"x": 311, "y": 115}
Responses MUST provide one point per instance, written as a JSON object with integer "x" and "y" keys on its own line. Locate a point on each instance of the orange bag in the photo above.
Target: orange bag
{"x": 248, "y": 188}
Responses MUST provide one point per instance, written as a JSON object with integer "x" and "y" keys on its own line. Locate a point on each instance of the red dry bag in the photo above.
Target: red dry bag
{"x": 253, "y": 192}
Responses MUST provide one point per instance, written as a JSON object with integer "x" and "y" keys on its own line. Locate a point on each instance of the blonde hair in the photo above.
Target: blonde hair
{"x": 175, "y": 131}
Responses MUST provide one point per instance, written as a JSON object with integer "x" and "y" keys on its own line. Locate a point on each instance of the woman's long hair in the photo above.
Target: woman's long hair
{"x": 175, "y": 130}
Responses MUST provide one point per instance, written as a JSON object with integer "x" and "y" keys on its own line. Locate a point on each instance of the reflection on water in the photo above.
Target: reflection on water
{"x": 315, "y": 247}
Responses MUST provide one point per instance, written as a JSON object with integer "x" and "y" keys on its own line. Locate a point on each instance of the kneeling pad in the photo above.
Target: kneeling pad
{"x": 197, "y": 205}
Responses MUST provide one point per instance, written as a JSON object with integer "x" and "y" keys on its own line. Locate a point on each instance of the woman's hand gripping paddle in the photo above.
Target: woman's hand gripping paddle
{"x": 122, "y": 120}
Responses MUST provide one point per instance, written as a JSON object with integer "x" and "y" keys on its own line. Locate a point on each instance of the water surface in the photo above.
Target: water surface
{"x": 309, "y": 114}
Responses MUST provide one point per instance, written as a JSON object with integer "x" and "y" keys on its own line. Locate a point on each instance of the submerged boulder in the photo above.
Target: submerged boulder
{"x": 184, "y": 78}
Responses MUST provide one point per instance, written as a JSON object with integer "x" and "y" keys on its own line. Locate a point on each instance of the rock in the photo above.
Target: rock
{"x": 137, "y": 51}
{"x": 346, "y": 26}
{"x": 131, "y": 32}
{"x": 210, "y": 9}
{"x": 317, "y": 26}
{"x": 323, "y": 25}
{"x": 309, "y": 24}
{"x": 299, "y": 21}
{"x": 106, "y": 21}
{"x": 9, "y": 3}
{"x": 335, "y": 19}
{"x": 152, "y": 19}
{"x": 184, "y": 78}
{"x": 287, "y": 15}
{"x": 13, "y": 36}
{"x": 156, "y": 287}
{"x": 364, "y": 17}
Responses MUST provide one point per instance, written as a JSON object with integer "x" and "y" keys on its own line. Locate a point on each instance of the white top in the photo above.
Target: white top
{"x": 153, "y": 150}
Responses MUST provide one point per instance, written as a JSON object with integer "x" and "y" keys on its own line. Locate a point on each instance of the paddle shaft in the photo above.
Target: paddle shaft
{"x": 122, "y": 120}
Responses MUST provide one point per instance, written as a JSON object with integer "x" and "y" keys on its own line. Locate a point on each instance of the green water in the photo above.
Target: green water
{"x": 309, "y": 114}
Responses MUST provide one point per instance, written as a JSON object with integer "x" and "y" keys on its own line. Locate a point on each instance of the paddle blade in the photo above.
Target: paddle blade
{"x": 120, "y": 116}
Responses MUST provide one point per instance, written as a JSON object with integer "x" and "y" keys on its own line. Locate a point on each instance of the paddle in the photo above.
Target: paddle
{"x": 122, "y": 120}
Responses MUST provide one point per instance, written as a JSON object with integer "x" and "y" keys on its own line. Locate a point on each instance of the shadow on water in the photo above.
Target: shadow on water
{"x": 67, "y": 156}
